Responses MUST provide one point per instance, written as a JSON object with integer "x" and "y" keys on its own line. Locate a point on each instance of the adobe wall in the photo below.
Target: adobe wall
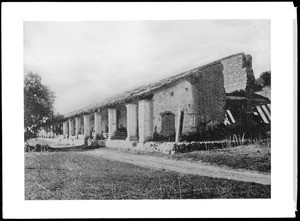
{"x": 81, "y": 125}
{"x": 92, "y": 122}
{"x": 169, "y": 100}
{"x": 121, "y": 116}
{"x": 202, "y": 96}
{"x": 238, "y": 73}
{"x": 104, "y": 120}
{"x": 209, "y": 95}
{"x": 238, "y": 76}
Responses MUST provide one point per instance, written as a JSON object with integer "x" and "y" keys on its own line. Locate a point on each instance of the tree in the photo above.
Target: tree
{"x": 263, "y": 81}
{"x": 56, "y": 120}
{"x": 38, "y": 104}
{"x": 265, "y": 78}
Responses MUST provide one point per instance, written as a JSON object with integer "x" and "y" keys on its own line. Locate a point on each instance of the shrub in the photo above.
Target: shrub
{"x": 99, "y": 137}
{"x": 159, "y": 137}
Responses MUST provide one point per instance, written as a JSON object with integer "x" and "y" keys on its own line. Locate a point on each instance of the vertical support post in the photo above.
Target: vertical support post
{"x": 70, "y": 127}
{"x": 112, "y": 122}
{"x": 132, "y": 121}
{"x": 97, "y": 118}
{"x": 145, "y": 120}
{"x": 65, "y": 129}
{"x": 86, "y": 123}
{"x": 77, "y": 126}
{"x": 179, "y": 125}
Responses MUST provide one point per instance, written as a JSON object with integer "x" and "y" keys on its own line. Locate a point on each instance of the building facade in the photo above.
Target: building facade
{"x": 185, "y": 103}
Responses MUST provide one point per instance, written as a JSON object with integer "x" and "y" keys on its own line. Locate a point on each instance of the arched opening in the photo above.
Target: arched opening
{"x": 168, "y": 125}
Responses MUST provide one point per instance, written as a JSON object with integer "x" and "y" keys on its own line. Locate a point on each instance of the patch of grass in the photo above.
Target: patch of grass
{"x": 255, "y": 157}
{"x": 75, "y": 175}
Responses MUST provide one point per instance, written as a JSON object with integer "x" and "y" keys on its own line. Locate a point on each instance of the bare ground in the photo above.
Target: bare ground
{"x": 185, "y": 167}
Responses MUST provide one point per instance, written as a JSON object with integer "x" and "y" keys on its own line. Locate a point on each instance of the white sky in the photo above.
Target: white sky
{"x": 86, "y": 62}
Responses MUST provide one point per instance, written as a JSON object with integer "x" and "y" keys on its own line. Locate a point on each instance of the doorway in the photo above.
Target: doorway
{"x": 168, "y": 124}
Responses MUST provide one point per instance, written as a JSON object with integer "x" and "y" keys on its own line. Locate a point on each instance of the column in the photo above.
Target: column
{"x": 86, "y": 125}
{"x": 145, "y": 120}
{"x": 112, "y": 122}
{"x": 66, "y": 129}
{"x": 132, "y": 121}
{"x": 77, "y": 126}
{"x": 70, "y": 127}
{"x": 97, "y": 120}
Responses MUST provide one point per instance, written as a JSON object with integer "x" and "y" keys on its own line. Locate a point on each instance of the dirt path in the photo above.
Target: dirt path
{"x": 180, "y": 166}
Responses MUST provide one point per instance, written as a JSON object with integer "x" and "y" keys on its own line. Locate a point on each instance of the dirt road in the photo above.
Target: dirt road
{"x": 180, "y": 166}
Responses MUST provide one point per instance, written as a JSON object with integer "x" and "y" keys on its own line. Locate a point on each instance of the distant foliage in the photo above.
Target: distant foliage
{"x": 55, "y": 119}
{"x": 263, "y": 80}
{"x": 38, "y": 104}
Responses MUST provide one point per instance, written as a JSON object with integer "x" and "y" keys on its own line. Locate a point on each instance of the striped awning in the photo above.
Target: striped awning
{"x": 229, "y": 119}
{"x": 264, "y": 111}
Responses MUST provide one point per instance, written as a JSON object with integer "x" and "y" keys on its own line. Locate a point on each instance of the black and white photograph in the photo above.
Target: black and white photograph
{"x": 165, "y": 119}
{"x": 139, "y": 110}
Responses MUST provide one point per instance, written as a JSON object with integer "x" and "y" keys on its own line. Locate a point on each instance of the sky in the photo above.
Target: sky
{"x": 86, "y": 62}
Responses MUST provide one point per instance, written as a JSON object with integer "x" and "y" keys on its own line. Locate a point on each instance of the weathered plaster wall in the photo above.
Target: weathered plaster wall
{"x": 238, "y": 73}
{"x": 81, "y": 125}
{"x": 169, "y": 100}
{"x": 209, "y": 95}
{"x": 92, "y": 122}
{"x": 121, "y": 116}
{"x": 203, "y": 96}
{"x": 104, "y": 120}
{"x": 238, "y": 76}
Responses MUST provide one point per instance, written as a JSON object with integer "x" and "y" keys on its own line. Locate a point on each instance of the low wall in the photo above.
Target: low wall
{"x": 164, "y": 147}
{"x": 58, "y": 142}
{"x": 122, "y": 144}
{"x": 167, "y": 147}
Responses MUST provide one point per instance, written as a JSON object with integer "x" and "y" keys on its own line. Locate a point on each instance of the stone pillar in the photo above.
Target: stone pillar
{"x": 77, "y": 126}
{"x": 65, "y": 128}
{"x": 97, "y": 119}
{"x": 132, "y": 121}
{"x": 71, "y": 127}
{"x": 145, "y": 120}
{"x": 112, "y": 122}
{"x": 86, "y": 124}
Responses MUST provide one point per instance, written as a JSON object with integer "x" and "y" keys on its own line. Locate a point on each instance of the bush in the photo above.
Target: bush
{"x": 159, "y": 137}
{"x": 99, "y": 137}
{"x": 216, "y": 132}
